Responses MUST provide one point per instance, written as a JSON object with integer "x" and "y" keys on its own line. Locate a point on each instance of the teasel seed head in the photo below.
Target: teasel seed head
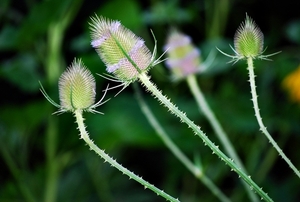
{"x": 77, "y": 87}
{"x": 248, "y": 39}
{"x": 248, "y": 42}
{"x": 124, "y": 54}
{"x": 77, "y": 90}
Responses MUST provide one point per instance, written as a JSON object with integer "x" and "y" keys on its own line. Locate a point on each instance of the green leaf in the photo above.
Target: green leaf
{"x": 168, "y": 12}
{"x": 21, "y": 71}
{"x": 127, "y": 11}
{"x": 34, "y": 24}
{"x": 8, "y": 36}
{"x": 18, "y": 123}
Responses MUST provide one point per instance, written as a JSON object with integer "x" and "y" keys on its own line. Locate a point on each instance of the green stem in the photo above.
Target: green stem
{"x": 84, "y": 135}
{"x": 173, "y": 109}
{"x": 196, "y": 171}
{"x": 53, "y": 64}
{"x": 208, "y": 113}
{"x": 56, "y": 35}
{"x": 52, "y": 164}
{"x": 259, "y": 118}
{"x": 216, "y": 14}
{"x": 53, "y": 69}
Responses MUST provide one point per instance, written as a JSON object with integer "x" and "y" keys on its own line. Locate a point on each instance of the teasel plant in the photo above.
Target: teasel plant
{"x": 77, "y": 92}
{"x": 249, "y": 46}
{"x": 128, "y": 60}
{"x": 185, "y": 63}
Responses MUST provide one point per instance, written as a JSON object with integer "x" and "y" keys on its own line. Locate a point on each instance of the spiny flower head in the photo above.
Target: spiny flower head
{"x": 248, "y": 42}
{"x": 77, "y": 89}
{"x": 124, "y": 54}
{"x": 292, "y": 84}
{"x": 248, "y": 39}
{"x": 183, "y": 56}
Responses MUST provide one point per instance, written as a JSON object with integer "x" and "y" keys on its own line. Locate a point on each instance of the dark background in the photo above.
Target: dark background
{"x": 42, "y": 157}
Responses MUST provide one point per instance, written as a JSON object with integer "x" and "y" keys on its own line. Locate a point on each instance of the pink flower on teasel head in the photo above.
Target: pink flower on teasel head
{"x": 183, "y": 56}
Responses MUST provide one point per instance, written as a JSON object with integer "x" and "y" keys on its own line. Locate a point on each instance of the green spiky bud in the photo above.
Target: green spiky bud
{"x": 124, "y": 54}
{"x": 248, "y": 39}
{"x": 77, "y": 88}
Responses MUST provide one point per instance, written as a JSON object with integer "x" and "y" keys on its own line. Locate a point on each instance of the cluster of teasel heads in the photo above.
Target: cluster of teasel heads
{"x": 127, "y": 57}
{"x": 124, "y": 54}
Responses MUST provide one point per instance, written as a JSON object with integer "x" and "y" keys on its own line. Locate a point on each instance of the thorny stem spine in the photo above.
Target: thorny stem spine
{"x": 173, "y": 109}
{"x": 204, "y": 107}
{"x": 84, "y": 135}
{"x": 195, "y": 170}
{"x": 259, "y": 119}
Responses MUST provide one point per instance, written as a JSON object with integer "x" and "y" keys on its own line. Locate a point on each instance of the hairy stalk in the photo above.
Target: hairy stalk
{"x": 84, "y": 135}
{"x": 259, "y": 119}
{"x": 196, "y": 171}
{"x": 183, "y": 118}
{"x": 208, "y": 113}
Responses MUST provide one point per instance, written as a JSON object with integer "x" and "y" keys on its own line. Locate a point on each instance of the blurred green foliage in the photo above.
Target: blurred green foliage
{"x": 42, "y": 158}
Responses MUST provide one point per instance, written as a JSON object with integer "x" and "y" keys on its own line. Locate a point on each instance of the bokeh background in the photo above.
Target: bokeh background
{"x": 42, "y": 157}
